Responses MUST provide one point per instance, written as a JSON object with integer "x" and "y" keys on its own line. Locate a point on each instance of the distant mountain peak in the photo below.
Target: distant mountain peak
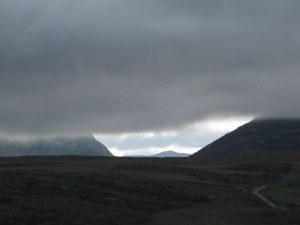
{"x": 164, "y": 154}
{"x": 170, "y": 153}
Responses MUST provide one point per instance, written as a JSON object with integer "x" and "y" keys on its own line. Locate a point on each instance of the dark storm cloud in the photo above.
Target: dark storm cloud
{"x": 127, "y": 65}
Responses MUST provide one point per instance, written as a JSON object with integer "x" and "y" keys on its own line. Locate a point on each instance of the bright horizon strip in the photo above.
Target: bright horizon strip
{"x": 213, "y": 128}
{"x": 154, "y": 150}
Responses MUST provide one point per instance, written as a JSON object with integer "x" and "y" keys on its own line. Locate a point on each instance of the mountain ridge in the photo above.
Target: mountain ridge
{"x": 259, "y": 136}
{"x": 163, "y": 154}
{"x": 83, "y": 146}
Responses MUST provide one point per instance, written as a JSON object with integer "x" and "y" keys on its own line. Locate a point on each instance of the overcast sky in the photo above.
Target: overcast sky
{"x": 116, "y": 67}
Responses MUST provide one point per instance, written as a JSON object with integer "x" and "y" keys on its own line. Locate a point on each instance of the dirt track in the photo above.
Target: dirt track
{"x": 264, "y": 199}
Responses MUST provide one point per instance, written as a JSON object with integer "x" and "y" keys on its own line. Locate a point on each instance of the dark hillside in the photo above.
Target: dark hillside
{"x": 85, "y": 146}
{"x": 260, "y": 136}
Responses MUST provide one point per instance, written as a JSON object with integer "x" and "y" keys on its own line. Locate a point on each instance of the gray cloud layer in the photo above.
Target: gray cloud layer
{"x": 77, "y": 66}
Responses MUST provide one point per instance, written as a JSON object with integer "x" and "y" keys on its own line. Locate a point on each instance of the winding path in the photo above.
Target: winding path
{"x": 264, "y": 199}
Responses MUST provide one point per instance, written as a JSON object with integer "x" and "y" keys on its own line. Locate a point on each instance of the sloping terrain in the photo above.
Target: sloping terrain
{"x": 147, "y": 191}
{"x": 85, "y": 146}
{"x": 266, "y": 136}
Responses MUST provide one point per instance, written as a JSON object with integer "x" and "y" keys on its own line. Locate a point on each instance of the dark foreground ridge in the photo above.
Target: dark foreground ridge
{"x": 261, "y": 136}
{"x": 149, "y": 191}
{"x": 84, "y": 146}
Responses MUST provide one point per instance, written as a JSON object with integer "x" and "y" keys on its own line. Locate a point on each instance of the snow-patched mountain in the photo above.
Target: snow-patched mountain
{"x": 83, "y": 146}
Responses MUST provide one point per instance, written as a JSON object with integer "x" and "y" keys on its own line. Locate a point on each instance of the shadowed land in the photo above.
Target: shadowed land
{"x": 170, "y": 191}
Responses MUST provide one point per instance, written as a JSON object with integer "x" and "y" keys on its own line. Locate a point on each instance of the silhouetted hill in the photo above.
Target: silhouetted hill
{"x": 261, "y": 136}
{"x": 170, "y": 154}
{"x": 84, "y": 146}
{"x": 164, "y": 154}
